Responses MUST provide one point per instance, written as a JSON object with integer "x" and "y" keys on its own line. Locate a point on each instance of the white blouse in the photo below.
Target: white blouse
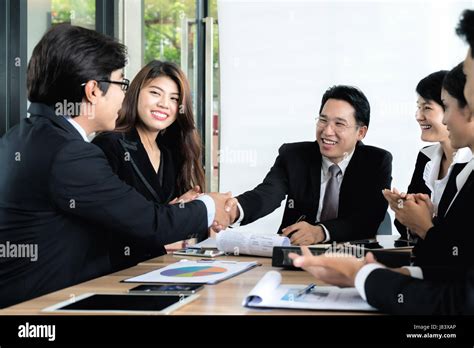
{"x": 431, "y": 172}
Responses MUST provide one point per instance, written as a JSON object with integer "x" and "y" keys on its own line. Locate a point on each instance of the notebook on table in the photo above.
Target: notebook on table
{"x": 270, "y": 293}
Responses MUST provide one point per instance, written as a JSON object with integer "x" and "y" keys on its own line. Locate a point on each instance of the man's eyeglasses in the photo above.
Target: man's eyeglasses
{"x": 125, "y": 83}
{"x": 338, "y": 125}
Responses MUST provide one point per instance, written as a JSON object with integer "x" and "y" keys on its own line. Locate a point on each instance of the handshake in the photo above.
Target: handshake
{"x": 227, "y": 211}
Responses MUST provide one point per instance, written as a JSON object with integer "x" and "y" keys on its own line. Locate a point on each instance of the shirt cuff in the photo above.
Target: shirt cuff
{"x": 211, "y": 208}
{"x": 415, "y": 272}
{"x": 362, "y": 275}
{"x": 326, "y": 234}
{"x": 241, "y": 217}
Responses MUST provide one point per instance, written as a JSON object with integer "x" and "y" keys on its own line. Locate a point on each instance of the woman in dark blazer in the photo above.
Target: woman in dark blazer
{"x": 436, "y": 249}
{"x": 155, "y": 148}
{"x": 435, "y": 162}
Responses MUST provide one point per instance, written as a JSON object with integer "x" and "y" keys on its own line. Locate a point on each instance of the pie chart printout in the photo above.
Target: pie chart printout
{"x": 193, "y": 271}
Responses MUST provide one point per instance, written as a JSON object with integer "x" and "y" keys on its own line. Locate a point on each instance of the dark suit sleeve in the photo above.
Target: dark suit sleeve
{"x": 441, "y": 246}
{"x": 417, "y": 185}
{"x": 267, "y": 196}
{"x": 363, "y": 221}
{"x": 82, "y": 184}
{"x": 396, "y": 293}
{"x": 437, "y": 273}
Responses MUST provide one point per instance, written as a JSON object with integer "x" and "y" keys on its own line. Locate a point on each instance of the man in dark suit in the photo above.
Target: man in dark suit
{"x": 58, "y": 194}
{"x": 401, "y": 291}
{"x": 335, "y": 183}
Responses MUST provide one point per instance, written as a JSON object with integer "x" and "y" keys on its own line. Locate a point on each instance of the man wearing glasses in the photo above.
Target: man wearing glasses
{"x": 334, "y": 185}
{"x": 431, "y": 290}
{"x": 60, "y": 202}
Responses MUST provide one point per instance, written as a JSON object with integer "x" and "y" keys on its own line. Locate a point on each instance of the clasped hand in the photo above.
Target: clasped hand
{"x": 415, "y": 211}
{"x": 223, "y": 218}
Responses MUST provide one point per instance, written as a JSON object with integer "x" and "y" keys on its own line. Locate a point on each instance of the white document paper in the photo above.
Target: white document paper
{"x": 209, "y": 243}
{"x": 247, "y": 243}
{"x": 194, "y": 272}
{"x": 268, "y": 293}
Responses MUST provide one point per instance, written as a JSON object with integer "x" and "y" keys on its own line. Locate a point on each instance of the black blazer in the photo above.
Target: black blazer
{"x": 448, "y": 285}
{"x": 396, "y": 293}
{"x": 449, "y": 242}
{"x": 417, "y": 185}
{"x": 129, "y": 160}
{"x": 297, "y": 173}
{"x": 58, "y": 192}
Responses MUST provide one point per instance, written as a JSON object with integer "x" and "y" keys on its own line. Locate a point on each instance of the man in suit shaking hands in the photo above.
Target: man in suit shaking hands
{"x": 58, "y": 193}
{"x": 334, "y": 184}
{"x": 429, "y": 289}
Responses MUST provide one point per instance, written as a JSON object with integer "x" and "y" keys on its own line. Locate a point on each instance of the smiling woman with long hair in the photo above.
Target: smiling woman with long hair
{"x": 155, "y": 147}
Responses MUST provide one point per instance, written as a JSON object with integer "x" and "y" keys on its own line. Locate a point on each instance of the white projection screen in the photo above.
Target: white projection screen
{"x": 278, "y": 57}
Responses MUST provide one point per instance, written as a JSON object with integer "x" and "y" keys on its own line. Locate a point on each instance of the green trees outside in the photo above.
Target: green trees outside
{"x": 163, "y": 19}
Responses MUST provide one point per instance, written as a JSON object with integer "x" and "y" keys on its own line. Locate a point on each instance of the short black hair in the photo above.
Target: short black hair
{"x": 465, "y": 28}
{"x": 353, "y": 96}
{"x": 454, "y": 82}
{"x": 68, "y": 56}
{"x": 430, "y": 87}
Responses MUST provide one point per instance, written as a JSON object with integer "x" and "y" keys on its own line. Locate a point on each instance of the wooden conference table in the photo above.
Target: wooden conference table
{"x": 223, "y": 298}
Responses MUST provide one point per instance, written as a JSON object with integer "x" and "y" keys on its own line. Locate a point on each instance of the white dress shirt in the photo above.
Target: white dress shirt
{"x": 365, "y": 271}
{"x": 431, "y": 173}
{"x": 210, "y": 207}
{"x": 78, "y": 127}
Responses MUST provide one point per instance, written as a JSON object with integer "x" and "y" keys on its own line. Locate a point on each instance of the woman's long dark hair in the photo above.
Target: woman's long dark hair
{"x": 181, "y": 137}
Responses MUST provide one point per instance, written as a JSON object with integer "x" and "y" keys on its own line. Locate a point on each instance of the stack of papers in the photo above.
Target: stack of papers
{"x": 248, "y": 243}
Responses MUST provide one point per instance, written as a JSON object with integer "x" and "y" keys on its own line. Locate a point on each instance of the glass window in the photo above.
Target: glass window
{"x": 44, "y": 13}
{"x": 75, "y": 12}
{"x": 163, "y": 28}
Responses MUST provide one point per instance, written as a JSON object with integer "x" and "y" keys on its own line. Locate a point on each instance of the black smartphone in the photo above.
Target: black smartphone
{"x": 170, "y": 289}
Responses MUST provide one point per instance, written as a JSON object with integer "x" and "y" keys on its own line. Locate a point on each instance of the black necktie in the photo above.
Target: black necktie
{"x": 450, "y": 190}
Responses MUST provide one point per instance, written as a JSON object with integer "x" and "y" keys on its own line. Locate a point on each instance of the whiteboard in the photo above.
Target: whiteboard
{"x": 278, "y": 57}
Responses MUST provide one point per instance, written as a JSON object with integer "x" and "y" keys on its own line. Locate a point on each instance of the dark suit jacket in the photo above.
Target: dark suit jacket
{"x": 58, "y": 192}
{"x": 417, "y": 185}
{"x": 449, "y": 242}
{"x": 448, "y": 285}
{"x": 136, "y": 169}
{"x": 129, "y": 160}
{"x": 395, "y": 293}
{"x": 297, "y": 173}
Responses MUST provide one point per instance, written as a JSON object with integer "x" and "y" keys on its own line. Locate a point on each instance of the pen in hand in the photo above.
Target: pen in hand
{"x": 301, "y": 218}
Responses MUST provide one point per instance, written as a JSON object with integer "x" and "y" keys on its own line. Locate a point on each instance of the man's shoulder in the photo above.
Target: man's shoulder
{"x": 299, "y": 147}
{"x": 371, "y": 152}
{"x": 37, "y": 134}
{"x": 77, "y": 149}
{"x": 108, "y": 141}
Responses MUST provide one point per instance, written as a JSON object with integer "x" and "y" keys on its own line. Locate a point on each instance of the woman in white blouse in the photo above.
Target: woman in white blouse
{"x": 435, "y": 162}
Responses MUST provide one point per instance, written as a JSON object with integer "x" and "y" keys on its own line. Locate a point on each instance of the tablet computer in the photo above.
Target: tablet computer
{"x": 125, "y": 303}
